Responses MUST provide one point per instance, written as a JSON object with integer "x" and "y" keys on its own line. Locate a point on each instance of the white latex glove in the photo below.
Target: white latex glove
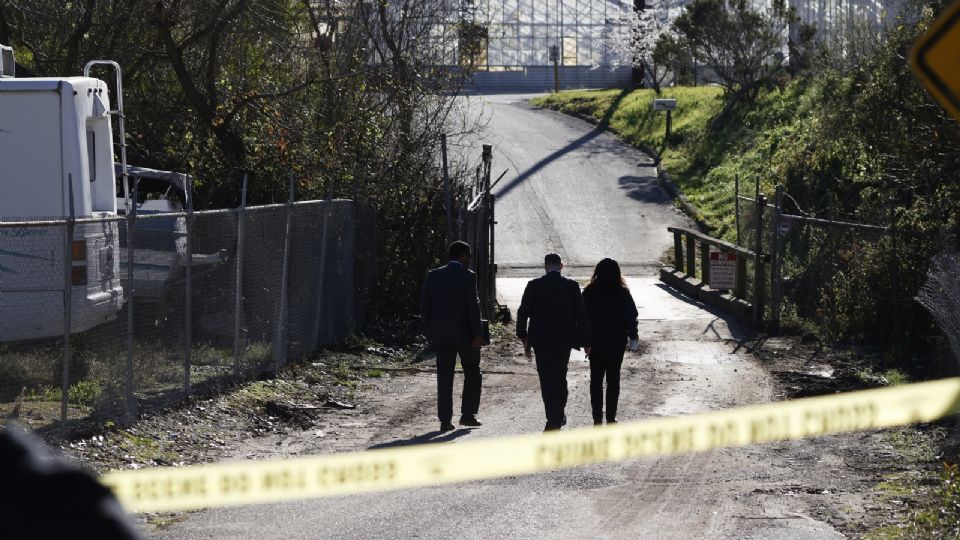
{"x": 634, "y": 345}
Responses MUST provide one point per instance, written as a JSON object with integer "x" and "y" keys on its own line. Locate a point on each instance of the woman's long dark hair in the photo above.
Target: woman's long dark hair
{"x": 607, "y": 275}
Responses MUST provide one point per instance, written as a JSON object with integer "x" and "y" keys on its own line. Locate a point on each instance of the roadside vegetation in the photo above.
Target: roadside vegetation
{"x": 853, "y": 139}
{"x": 850, "y": 135}
{"x": 342, "y": 96}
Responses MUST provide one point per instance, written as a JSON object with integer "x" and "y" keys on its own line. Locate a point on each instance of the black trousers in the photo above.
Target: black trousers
{"x": 605, "y": 363}
{"x": 552, "y": 369}
{"x": 472, "y": 378}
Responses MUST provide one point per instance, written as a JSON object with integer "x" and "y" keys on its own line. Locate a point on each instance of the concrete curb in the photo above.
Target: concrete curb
{"x": 694, "y": 288}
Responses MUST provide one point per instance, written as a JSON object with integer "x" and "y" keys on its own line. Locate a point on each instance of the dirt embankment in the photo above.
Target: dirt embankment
{"x": 899, "y": 468}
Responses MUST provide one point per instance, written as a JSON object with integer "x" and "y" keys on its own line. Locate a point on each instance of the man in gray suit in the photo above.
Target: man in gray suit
{"x": 450, "y": 309}
{"x": 558, "y": 322}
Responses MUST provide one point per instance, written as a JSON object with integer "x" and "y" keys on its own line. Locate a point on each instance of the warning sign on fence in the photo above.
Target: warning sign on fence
{"x": 723, "y": 270}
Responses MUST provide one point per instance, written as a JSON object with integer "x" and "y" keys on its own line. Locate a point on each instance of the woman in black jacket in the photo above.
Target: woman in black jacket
{"x": 613, "y": 318}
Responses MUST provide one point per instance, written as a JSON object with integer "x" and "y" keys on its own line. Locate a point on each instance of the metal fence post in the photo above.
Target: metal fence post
{"x": 321, "y": 276}
{"x": 188, "y": 294}
{"x": 489, "y": 225}
{"x": 736, "y": 203}
{"x": 130, "y": 410}
{"x": 279, "y": 351}
{"x": 776, "y": 263}
{"x": 761, "y": 202}
{"x": 894, "y": 269}
{"x": 238, "y": 285}
{"x": 446, "y": 187}
{"x": 68, "y": 229}
{"x": 493, "y": 260}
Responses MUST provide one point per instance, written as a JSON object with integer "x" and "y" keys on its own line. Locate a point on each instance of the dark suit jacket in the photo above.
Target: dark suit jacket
{"x": 554, "y": 306}
{"x": 450, "y": 306}
{"x": 613, "y": 317}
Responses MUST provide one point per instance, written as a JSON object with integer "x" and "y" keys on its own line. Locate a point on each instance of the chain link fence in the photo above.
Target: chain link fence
{"x": 754, "y": 219}
{"x": 87, "y": 338}
{"x": 825, "y": 267}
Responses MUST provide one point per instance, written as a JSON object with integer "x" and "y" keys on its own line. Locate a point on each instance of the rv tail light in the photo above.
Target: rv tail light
{"x": 78, "y": 276}
{"x": 78, "y": 250}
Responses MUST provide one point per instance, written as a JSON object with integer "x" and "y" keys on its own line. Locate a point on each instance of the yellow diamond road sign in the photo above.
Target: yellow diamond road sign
{"x": 936, "y": 60}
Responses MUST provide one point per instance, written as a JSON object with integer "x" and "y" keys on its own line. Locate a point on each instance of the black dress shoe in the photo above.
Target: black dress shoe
{"x": 551, "y": 427}
{"x": 446, "y": 426}
{"x": 598, "y": 422}
{"x": 470, "y": 421}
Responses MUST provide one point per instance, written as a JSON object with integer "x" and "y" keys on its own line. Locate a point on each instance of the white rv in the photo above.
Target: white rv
{"x": 56, "y": 161}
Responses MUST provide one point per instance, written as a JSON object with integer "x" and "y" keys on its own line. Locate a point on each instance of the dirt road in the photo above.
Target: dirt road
{"x": 694, "y": 360}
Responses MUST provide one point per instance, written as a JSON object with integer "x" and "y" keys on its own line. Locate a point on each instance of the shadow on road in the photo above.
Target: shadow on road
{"x": 644, "y": 189}
{"x": 594, "y": 133}
{"x": 739, "y": 331}
{"x": 427, "y": 438}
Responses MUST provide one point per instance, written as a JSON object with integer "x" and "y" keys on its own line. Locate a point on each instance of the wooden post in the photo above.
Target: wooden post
{"x": 705, "y": 262}
{"x": 668, "y": 126}
{"x": 691, "y": 256}
{"x": 678, "y": 250}
{"x": 556, "y": 77}
{"x": 741, "y": 291}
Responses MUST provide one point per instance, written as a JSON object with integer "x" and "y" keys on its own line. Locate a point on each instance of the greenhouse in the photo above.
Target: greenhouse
{"x": 515, "y": 52}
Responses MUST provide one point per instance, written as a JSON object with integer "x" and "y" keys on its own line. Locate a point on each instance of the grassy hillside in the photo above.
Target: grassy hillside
{"x": 708, "y": 146}
{"x": 862, "y": 145}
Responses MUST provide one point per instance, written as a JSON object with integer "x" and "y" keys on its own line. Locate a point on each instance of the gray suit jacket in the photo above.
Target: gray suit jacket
{"x": 450, "y": 306}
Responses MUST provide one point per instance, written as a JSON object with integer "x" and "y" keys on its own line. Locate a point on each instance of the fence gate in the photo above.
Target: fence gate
{"x": 476, "y": 227}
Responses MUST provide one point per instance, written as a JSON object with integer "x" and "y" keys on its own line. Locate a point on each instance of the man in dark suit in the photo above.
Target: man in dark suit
{"x": 558, "y": 323}
{"x": 450, "y": 309}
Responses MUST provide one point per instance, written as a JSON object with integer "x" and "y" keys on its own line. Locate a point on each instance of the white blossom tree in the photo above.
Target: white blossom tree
{"x": 634, "y": 39}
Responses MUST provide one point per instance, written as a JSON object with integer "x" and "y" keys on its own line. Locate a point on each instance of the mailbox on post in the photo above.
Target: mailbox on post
{"x": 665, "y": 105}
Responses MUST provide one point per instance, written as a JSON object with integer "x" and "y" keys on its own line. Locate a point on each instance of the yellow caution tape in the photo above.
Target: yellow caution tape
{"x": 239, "y": 483}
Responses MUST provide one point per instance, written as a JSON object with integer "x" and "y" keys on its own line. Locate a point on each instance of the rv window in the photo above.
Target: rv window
{"x": 92, "y": 154}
